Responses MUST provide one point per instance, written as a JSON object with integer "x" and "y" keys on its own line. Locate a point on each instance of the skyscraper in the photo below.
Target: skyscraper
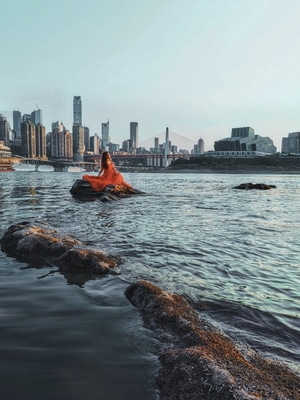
{"x": 40, "y": 140}
{"x": 28, "y": 147}
{"x": 36, "y": 117}
{"x": 105, "y": 135}
{"x": 95, "y": 143}
{"x": 78, "y": 130}
{"x": 61, "y": 143}
{"x": 77, "y": 111}
{"x": 17, "y": 119}
{"x": 134, "y": 134}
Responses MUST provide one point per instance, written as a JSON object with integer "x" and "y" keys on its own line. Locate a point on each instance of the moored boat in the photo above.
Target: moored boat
{"x": 45, "y": 168}
{"x": 73, "y": 168}
{"x": 23, "y": 167}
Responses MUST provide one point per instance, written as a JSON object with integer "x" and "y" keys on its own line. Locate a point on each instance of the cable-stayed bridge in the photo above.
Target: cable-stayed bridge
{"x": 182, "y": 142}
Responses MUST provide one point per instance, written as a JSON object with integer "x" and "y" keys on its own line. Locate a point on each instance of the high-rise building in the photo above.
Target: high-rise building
{"x": 77, "y": 111}
{"x": 40, "y": 141}
{"x": 17, "y": 120}
{"x": 78, "y": 130}
{"x": 78, "y": 143}
{"x": 86, "y": 138}
{"x": 95, "y": 143}
{"x": 4, "y": 130}
{"x": 291, "y": 144}
{"x": 134, "y": 134}
{"x": 33, "y": 140}
{"x": 105, "y": 135}
{"x": 199, "y": 147}
{"x": 61, "y": 142}
{"x": 26, "y": 117}
{"x": 28, "y": 137}
{"x": 36, "y": 117}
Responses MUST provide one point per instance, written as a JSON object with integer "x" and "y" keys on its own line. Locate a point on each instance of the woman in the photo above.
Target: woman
{"x": 108, "y": 175}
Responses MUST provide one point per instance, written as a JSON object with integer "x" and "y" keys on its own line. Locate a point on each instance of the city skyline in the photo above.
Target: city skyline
{"x": 198, "y": 67}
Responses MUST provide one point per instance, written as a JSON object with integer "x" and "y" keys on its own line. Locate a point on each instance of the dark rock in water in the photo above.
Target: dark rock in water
{"x": 40, "y": 244}
{"x": 82, "y": 189}
{"x": 200, "y": 361}
{"x": 259, "y": 186}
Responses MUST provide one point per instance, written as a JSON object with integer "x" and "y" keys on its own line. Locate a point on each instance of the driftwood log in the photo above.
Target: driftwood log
{"x": 202, "y": 363}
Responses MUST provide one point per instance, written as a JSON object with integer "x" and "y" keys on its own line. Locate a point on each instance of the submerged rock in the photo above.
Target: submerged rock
{"x": 82, "y": 189}
{"x": 259, "y": 186}
{"x": 202, "y": 363}
{"x": 39, "y": 243}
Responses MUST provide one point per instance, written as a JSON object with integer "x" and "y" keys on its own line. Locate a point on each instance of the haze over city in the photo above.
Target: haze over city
{"x": 198, "y": 67}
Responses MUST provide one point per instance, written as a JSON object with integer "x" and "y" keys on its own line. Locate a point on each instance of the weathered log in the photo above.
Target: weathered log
{"x": 200, "y": 361}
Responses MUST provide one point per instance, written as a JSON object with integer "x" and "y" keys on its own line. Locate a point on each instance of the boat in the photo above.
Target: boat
{"x": 23, "y": 167}
{"x": 45, "y": 168}
{"x": 6, "y": 165}
{"x": 74, "y": 168}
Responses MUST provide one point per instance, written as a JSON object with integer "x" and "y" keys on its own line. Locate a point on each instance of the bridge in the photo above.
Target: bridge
{"x": 182, "y": 142}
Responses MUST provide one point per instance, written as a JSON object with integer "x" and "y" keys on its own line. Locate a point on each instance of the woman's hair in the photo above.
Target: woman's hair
{"x": 105, "y": 158}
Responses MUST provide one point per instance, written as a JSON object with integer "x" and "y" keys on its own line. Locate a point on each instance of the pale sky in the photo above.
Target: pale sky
{"x": 199, "y": 67}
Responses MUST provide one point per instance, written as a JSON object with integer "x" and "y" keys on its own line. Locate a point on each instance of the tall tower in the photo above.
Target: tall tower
{"x": 105, "y": 135}
{"x": 28, "y": 147}
{"x": 78, "y": 130}
{"x": 77, "y": 111}
{"x": 36, "y": 117}
{"x": 166, "y": 153}
{"x": 40, "y": 141}
{"x": 134, "y": 134}
{"x": 17, "y": 119}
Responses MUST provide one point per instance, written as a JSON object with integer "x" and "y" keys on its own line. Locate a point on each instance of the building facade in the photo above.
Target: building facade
{"x": 28, "y": 142}
{"x": 78, "y": 143}
{"x": 95, "y": 143}
{"x": 61, "y": 143}
{"x": 244, "y": 140}
{"x": 4, "y": 130}
{"x": 291, "y": 144}
{"x": 40, "y": 141}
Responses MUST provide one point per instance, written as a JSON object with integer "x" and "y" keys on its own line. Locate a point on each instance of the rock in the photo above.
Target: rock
{"x": 82, "y": 189}
{"x": 200, "y": 362}
{"x": 39, "y": 243}
{"x": 259, "y": 186}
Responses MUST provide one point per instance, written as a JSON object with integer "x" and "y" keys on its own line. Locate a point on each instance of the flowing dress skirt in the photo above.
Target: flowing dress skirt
{"x": 109, "y": 177}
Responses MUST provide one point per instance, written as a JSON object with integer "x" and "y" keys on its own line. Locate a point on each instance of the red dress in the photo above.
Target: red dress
{"x": 110, "y": 176}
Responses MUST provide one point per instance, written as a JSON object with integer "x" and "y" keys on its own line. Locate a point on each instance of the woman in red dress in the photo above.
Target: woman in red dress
{"x": 108, "y": 175}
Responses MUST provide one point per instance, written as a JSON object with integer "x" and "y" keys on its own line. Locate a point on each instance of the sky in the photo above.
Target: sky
{"x": 199, "y": 67}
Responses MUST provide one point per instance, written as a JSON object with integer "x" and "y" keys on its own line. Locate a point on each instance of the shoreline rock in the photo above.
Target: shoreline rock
{"x": 202, "y": 363}
{"x": 39, "y": 243}
{"x": 251, "y": 186}
{"x": 82, "y": 189}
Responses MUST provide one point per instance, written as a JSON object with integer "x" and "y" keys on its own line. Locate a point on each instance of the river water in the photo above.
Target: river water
{"x": 234, "y": 253}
